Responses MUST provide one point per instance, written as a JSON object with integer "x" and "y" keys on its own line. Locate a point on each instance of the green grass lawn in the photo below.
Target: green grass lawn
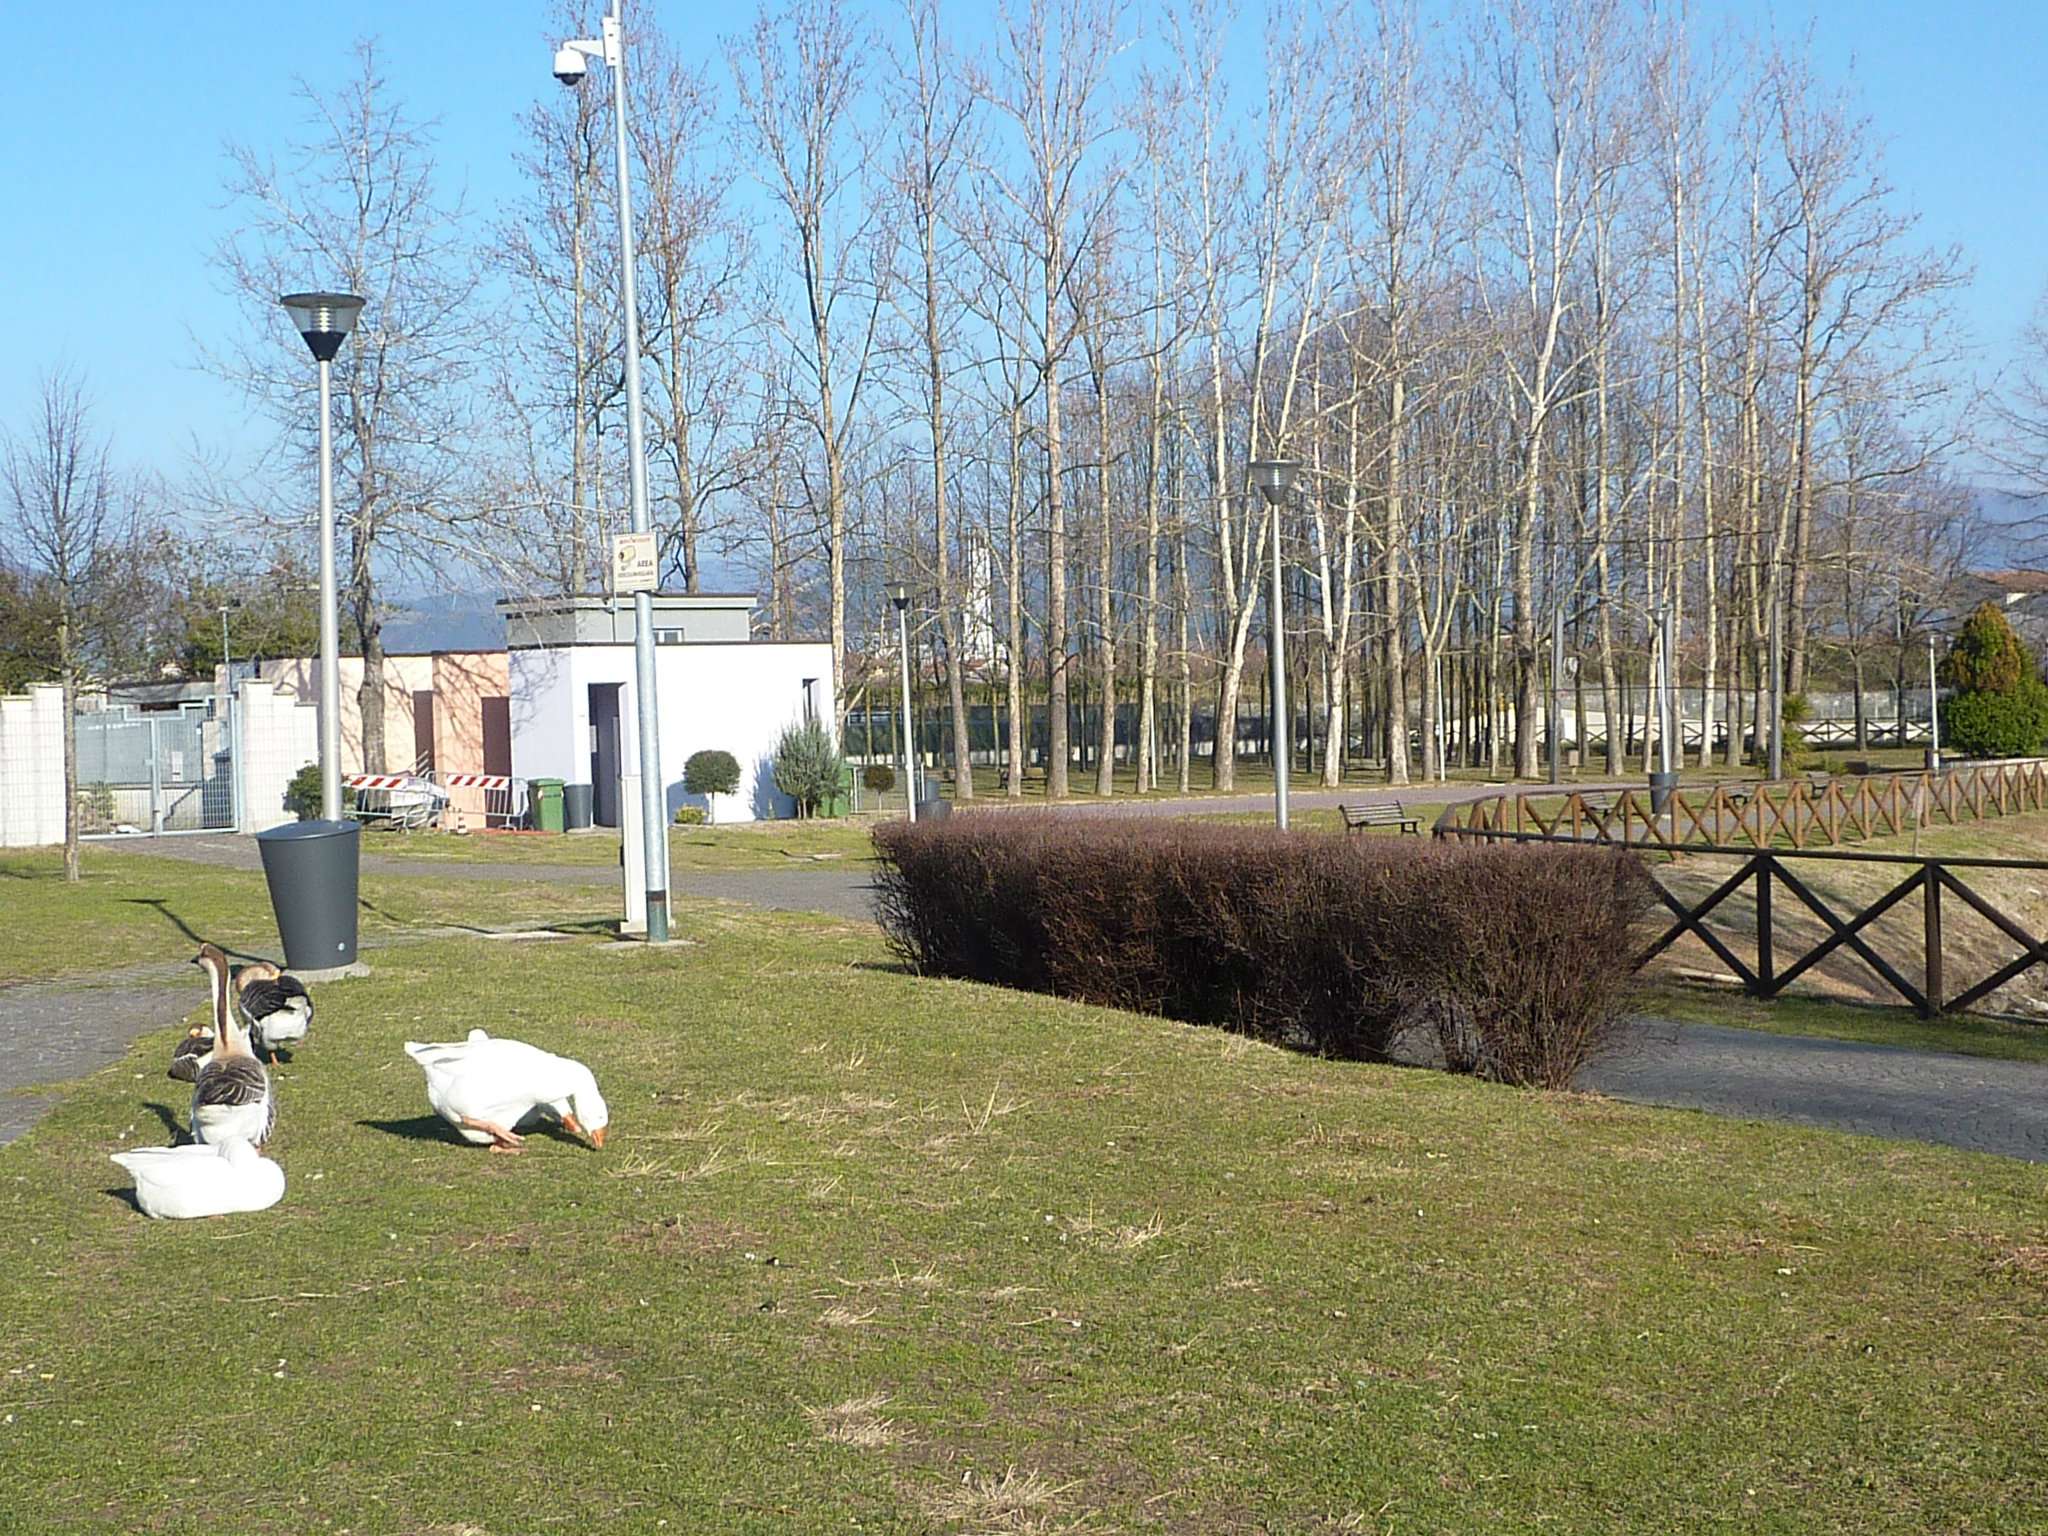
{"x": 872, "y": 1251}
{"x": 132, "y": 908}
{"x": 744, "y": 845}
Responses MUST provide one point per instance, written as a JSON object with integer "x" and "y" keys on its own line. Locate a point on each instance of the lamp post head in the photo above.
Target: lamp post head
{"x": 324, "y": 319}
{"x": 899, "y": 594}
{"x": 1274, "y": 478}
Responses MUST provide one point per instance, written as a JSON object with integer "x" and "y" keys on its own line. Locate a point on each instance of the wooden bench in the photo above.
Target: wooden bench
{"x": 1388, "y": 814}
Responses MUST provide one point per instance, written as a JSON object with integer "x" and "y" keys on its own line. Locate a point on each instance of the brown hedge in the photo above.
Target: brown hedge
{"x": 1512, "y": 962}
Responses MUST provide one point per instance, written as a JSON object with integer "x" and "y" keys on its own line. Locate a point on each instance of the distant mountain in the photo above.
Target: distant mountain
{"x": 447, "y": 621}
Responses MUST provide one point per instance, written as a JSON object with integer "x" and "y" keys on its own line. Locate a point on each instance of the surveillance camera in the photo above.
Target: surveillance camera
{"x": 570, "y": 67}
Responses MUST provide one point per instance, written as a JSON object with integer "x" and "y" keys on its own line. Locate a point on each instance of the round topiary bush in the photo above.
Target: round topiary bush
{"x": 302, "y": 794}
{"x": 879, "y": 777}
{"x": 711, "y": 773}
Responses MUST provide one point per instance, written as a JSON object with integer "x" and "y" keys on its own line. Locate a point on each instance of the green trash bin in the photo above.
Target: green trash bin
{"x": 544, "y": 801}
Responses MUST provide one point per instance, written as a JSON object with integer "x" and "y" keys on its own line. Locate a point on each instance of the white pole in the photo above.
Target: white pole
{"x": 330, "y": 624}
{"x": 1933, "y": 708}
{"x": 1283, "y": 725}
{"x": 909, "y": 748}
{"x": 653, "y": 819}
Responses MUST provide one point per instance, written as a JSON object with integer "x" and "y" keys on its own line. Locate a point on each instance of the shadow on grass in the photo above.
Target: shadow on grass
{"x": 163, "y": 910}
{"x": 172, "y": 1124}
{"x": 885, "y": 967}
{"x": 125, "y": 1195}
{"x": 434, "y": 1128}
{"x": 417, "y": 1128}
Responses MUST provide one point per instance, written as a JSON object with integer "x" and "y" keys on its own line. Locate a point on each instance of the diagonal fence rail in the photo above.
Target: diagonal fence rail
{"x": 1817, "y": 812}
{"x": 1776, "y": 955}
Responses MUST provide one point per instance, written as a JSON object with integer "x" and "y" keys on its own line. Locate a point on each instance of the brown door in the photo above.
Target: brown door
{"x": 497, "y": 734}
{"x": 423, "y": 729}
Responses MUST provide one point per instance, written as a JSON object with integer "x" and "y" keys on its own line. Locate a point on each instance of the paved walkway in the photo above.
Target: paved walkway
{"x": 50, "y": 1032}
{"x": 1973, "y": 1102}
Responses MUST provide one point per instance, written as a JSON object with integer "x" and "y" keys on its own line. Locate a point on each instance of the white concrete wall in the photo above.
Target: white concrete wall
{"x": 32, "y": 767}
{"x": 734, "y": 697}
{"x": 279, "y": 736}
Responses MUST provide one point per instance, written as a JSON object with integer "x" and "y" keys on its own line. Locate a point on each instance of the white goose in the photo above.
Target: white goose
{"x": 231, "y": 1096}
{"x": 486, "y": 1088}
{"x": 200, "y": 1180}
{"x": 274, "y": 1006}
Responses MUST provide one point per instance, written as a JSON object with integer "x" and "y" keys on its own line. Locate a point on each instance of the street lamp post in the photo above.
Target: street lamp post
{"x": 1933, "y": 710}
{"x": 570, "y": 69}
{"x": 1274, "y": 478}
{"x": 899, "y": 594}
{"x": 325, "y": 320}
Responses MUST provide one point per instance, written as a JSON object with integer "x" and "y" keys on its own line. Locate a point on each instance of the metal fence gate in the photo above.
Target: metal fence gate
{"x": 156, "y": 771}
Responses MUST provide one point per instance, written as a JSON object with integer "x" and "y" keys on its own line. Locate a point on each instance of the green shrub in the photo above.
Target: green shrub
{"x": 1512, "y": 963}
{"x": 689, "y": 815}
{"x": 711, "y": 773}
{"x": 302, "y": 795}
{"x": 879, "y": 777}
{"x": 2014, "y": 724}
{"x": 1999, "y": 708}
{"x": 1986, "y": 657}
{"x": 808, "y": 767}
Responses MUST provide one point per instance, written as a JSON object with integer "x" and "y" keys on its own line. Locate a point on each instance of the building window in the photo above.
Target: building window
{"x": 668, "y": 637}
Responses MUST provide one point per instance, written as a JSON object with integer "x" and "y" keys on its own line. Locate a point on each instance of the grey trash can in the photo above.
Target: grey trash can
{"x": 578, "y": 805}
{"x": 1661, "y": 785}
{"x": 311, "y": 867}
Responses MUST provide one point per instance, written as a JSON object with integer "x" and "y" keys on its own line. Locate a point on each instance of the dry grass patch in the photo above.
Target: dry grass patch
{"x": 857, "y": 1422}
{"x": 1015, "y": 1500}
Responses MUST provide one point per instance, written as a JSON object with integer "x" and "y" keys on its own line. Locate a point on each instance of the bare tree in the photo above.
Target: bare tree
{"x": 1050, "y": 82}
{"x": 64, "y": 520}
{"x": 801, "y": 76}
{"x": 354, "y": 205}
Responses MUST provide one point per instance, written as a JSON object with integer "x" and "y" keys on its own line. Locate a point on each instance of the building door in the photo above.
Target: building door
{"x": 604, "y": 753}
{"x": 423, "y": 730}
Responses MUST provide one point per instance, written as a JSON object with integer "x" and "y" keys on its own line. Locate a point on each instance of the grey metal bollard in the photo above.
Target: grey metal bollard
{"x": 311, "y": 869}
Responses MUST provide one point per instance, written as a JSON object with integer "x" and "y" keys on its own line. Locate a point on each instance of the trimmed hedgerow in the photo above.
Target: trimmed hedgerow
{"x": 1513, "y": 963}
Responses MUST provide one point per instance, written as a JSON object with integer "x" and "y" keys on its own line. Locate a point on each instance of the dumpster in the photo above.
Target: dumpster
{"x": 578, "y": 803}
{"x": 544, "y": 804}
{"x": 310, "y": 867}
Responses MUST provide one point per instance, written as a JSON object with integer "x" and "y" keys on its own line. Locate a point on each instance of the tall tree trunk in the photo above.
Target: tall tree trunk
{"x": 1019, "y": 724}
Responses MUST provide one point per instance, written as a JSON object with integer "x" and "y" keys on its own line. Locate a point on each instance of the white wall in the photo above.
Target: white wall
{"x": 32, "y": 767}
{"x": 734, "y": 697}
{"x": 279, "y": 736}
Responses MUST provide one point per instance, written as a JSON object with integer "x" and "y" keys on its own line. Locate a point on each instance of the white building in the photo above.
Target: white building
{"x": 570, "y": 662}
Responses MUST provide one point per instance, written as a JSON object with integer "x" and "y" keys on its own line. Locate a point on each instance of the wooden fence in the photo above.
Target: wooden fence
{"x": 1820, "y": 812}
{"x": 1924, "y": 879}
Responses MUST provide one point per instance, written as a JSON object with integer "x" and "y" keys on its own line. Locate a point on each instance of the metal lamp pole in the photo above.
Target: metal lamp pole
{"x": 1274, "y": 478}
{"x": 325, "y": 320}
{"x": 1933, "y": 710}
{"x": 569, "y": 69}
{"x": 900, "y": 596}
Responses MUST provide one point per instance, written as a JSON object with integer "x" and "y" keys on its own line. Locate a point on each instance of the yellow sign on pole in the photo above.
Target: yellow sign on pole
{"x": 636, "y": 564}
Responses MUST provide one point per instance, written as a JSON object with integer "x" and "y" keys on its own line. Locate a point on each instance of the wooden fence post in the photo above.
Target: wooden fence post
{"x": 1931, "y": 885}
{"x": 1766, "y": 970}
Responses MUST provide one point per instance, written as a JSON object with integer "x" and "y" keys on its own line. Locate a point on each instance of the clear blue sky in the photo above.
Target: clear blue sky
{"x": 115, "y": 116}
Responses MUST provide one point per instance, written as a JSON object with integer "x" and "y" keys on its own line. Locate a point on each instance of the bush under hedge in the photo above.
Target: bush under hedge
{"x": 1512, "y": 962}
